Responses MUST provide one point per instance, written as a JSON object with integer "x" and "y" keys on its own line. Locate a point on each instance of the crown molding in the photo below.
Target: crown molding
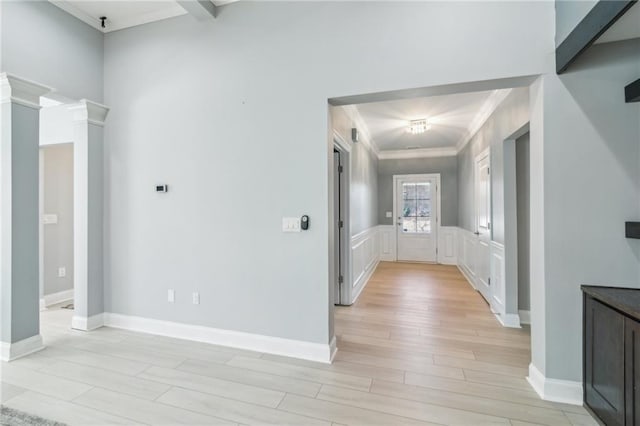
{"x": 20, "y": 91}
{"x": 92, "y": 112}
{"x": 354, "y": 115}
{"x": 489, "y": 106}
{"x": 404, "y": 154}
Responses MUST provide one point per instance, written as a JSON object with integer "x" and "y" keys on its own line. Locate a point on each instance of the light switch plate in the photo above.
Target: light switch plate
{"x": 62, "y": 272}
{"x": 389, "y": 214}
{"x": 171, "y": 295}
{"x": 196, "y": 298}
{"x": 290, "y": 224}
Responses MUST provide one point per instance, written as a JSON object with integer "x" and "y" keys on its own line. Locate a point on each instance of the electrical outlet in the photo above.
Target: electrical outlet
{"x": 171, "y": 295}
{"x": 196, "y": 298}
{"x": 62, "y": 272}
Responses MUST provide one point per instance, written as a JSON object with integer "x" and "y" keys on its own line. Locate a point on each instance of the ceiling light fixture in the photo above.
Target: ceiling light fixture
{"x": 418, "y": 126}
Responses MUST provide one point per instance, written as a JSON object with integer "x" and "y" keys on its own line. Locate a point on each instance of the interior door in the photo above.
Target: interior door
{"x": 483, "y": 223}
{"x": 416, "y": 212}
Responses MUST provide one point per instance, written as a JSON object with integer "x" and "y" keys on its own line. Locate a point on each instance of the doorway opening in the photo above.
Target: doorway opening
{"x": 341, "y": 225}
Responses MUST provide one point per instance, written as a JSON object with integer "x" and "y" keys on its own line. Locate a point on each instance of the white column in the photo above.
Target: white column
{"x": 19, "y": 216}
{"x": 88, "y": 192}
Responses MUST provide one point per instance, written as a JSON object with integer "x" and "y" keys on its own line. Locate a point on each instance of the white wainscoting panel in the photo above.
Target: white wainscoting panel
{"x": 447, "y": 245}
{"x": 365, "y": 255}
{"x": 497, "y": 273}
{"x": 387, "y": 236}
{"x": 467, "y": 244}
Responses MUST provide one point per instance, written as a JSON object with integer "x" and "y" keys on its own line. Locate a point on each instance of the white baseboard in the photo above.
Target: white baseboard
{"x": 236, "y": 339}
{"x": 467, "y": 276}
{"x": 525, "y": 317}
{"x": 365, "y": 281}
{"x": 565, "y": 391}
{"x": 87, "y": 323}
{"x": 333, "y": 347}
{"x": 509, "y": 320}
{"x": 55, "y": 298}
{"x": 11, "y": 351}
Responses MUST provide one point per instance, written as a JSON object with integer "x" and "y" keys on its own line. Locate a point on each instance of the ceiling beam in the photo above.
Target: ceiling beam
{"x": 202, "y": 10}
{"x": 632, "y": 92}
{"x": 602, "y": 16}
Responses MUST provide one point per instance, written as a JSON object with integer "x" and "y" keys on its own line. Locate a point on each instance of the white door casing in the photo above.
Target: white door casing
{"x": 416, "y": 210}
{"x": 482, "y": 184}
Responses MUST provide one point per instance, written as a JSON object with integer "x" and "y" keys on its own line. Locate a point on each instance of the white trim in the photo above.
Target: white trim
{"x": 448, "y": 245}
{"x": 11, "y": 351}
{"x": 87, "y": 323}
{"x": 467, "y": 276}
{"x": 55, "y": 298}
{"x": 145, "y": 18}
{"x": 564, "y": 391}
{"x": 387, "y": 241}
{"x": 359, "y": 123}
{"x": 333, "y": 349}
{"x": 20, "y": 91}
{"x": 525, "y": 316}
{"x": 91, "y": 112}
{"x": 402, "y": 154}
{"x": 364, "y": 257}
{"x": 490, "y": 105}
{"x": 236, "y": 339}
{"x": 509, "y": 320}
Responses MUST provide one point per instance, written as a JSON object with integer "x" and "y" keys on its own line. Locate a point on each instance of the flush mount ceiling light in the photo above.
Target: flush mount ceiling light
{"x": 418, "y": 126}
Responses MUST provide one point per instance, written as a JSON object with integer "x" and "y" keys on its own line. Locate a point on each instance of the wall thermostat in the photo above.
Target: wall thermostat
{"x": 304, "y": 222}
{"x": 162, "y": 188}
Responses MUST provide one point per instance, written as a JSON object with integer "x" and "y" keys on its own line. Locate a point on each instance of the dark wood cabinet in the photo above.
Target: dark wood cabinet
{"x": 611, "y": 354}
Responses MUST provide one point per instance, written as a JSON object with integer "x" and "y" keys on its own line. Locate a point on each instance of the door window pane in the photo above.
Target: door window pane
{"x": 416, "y": 208}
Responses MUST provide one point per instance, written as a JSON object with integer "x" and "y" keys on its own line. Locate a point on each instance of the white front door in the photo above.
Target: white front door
{"x": 416, "y": 218}
{"x": 483, "y": 222}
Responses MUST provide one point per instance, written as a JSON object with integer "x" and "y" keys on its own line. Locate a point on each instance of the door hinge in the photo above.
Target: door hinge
{"x": 340, "y": 279}
{"x": 488, "y": 225}
{"x": 488, "y": 170}
{"x": 489, "y": 281}
{"x": 340, "y": 169}
{"x": 341, "y": 224}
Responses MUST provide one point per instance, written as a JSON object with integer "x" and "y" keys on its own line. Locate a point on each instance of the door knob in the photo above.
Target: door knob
{"x": 477, "y": 233}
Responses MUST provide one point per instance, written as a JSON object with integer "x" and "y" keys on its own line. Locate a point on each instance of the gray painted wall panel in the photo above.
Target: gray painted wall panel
{"x": 511, "y": 115}
{"x": 42, "y": 43}
{"x": 232, "y": 114}
{"x": 58, "y": 199}
{"x": 592, "y": 181}
{"x": 446, "y": 166}
{"x": 569, "y": 13}
{"x": 25, "y": 286}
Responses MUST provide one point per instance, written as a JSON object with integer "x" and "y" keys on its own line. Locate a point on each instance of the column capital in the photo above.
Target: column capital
{"x": 21, "y": 91}
{"x": 92, "y": 112}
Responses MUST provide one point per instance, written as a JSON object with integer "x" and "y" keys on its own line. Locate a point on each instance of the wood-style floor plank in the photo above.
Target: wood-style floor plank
{"x": 420, "y": 346}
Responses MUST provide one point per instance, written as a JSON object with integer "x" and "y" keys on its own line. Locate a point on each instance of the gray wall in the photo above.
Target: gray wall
{"x": 592, "y": 186}
{"x": 364, "y": 174}
{"x": 19, "y": 265}
{"x": 511, "y": 115}
{"x": 522, "y": 195}
{"x": 446, "y": 166}
{"x": 42, "y": 43}
{"x": 58, "y": 199}
{"x": 232, "y": 114}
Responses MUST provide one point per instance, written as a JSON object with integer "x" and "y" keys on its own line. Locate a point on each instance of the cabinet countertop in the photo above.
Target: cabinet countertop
{"x": 626, "y": 300}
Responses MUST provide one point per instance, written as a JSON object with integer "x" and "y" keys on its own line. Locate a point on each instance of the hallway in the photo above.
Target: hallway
{"x": 419, "y": 346}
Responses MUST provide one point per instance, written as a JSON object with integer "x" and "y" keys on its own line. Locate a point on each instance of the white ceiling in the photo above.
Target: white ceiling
{"x": 627, "y": 27}
{"x": 123, "y": 13}
{"x": 454, "y": 118}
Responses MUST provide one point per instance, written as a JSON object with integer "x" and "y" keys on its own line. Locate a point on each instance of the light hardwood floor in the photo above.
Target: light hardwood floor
{"x": 419, "y": 347}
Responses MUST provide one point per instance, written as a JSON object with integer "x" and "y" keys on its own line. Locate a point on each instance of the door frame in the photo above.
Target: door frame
{"x": 344, "y": 148}
{"x": 480, "y": 285}
{"x": 435, "y": 176}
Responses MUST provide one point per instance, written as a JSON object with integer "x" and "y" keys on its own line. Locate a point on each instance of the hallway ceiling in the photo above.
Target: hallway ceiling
{"x": 452, "y": 117}
{"x": 123, "y": 13}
